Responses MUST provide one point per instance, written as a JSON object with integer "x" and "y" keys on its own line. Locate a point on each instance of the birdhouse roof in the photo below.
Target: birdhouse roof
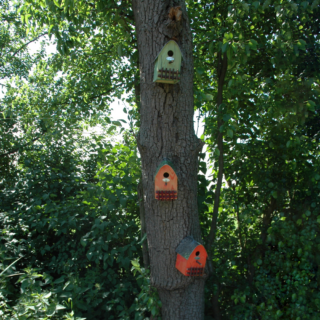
{"x": 163, "y": 163}
{"x": 170, "y": 41}
{"x": 186, "y": 247}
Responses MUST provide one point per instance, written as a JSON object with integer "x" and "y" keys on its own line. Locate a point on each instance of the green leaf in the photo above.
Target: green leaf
{"x": 230, "y": 133}
{"x": 311, "y": 105}
{"x": 228, "y": 36}
{"x": 48, "y": 295}
{"x": 208, "y": 97}
{"x": 51, "y": 310}
{"x": 256, "y": 4}
{"x": 116, "y": 123}
{"x": 301, "y": 44}
{"x": 89, "y": 255}
{"x": 83, "y": 242}
{"x": 135, "y": 263}
{"x": 234, "y": 47}
{"x": 65, "y": 286}
{"x": 59, "y": 280}
{"x": 211, "y": 48}
{"x": 200, "y": 70}
{"x": 245, "y": 6}
{"x": 60, "y": 307}
{"x": 119, "y": 50}
{"x": 252, "y": 44}
{"x": 153, "y": 311}
{"x": 111, "y": 129}
{"x": 226, "y": 117}
{"x": 224, "y": 47}
{"x": 56, "y": 3}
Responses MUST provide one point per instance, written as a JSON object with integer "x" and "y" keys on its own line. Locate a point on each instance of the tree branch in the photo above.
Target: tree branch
{"x": 221, "y": 70}
{"x": 17, "y": 149}
{"x": 26, "y": 44}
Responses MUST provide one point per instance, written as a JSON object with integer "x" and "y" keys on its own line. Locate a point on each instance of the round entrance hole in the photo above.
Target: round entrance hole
{"x": 197, "y": 253}
{"x": 170, "y": 53}
{"x": 166, "y": 175}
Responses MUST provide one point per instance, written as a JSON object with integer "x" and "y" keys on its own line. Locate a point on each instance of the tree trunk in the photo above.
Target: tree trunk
{"x": 167, "y": 132}
{"x": 221, "y": 72}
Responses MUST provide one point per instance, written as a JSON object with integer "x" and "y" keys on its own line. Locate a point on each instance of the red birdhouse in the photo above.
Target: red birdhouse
{"x": 191, "y": 257}
{"x": 166, "y": 182}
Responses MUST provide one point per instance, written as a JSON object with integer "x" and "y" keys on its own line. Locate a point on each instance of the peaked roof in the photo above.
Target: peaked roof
{"x": 163, "y": 163}
{"x": 164, "y": 46}
{"x": 186, "y": 247}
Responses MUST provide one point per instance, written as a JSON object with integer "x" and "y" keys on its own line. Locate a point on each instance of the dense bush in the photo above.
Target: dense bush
{"x": 73, "y": 221}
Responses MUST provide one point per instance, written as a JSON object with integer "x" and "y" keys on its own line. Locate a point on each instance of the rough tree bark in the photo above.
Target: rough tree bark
{"x": 167, "y": 132}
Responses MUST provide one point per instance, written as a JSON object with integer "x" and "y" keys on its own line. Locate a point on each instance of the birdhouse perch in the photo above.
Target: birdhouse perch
{"x": 166, "y": 182}
{"x": 168, "y": 64}
{"x": 191, "y": 257}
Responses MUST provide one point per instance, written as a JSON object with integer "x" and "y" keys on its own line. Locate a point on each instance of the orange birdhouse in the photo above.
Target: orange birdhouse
{"x": 166, "y": 182}
{"x": 191, "y": 257}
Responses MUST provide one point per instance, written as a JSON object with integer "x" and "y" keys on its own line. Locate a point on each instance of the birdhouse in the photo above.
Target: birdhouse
{"x": 166, "y": 182}
{"x": 191, "y": 257}
{"x": 168, "y": 64}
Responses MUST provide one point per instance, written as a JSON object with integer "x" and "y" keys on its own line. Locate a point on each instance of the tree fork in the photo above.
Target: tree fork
{"x": 167, "y": 132}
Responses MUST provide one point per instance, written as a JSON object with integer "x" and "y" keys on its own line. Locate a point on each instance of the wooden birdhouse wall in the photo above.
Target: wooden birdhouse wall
{"x": 166, "y": 183}
{"x": 166, "y": 71}
{"x": 191, "y": 257}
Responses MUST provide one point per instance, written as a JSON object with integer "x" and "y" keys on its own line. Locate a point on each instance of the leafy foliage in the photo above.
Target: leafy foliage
{"x": 69, "y": 206}
{"x": 265, "y": 254}
{"x": 77, "y": 225}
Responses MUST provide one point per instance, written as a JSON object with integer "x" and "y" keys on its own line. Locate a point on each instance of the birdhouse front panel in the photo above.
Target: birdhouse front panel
{"x": 166, "y": 183}
{"x": 191, "y": 257}
{"x": 168, "y": 64}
